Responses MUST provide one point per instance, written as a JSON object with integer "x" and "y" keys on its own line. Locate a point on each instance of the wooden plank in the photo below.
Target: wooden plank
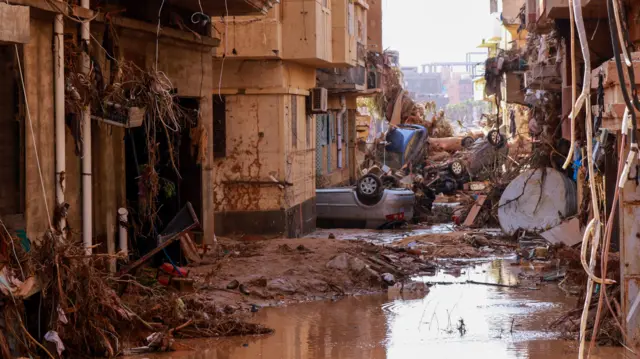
{"x": 189, "y": 249}
{"x": 147, "y": 256}
{"x": 477, "y": 206}
{"x": 568, "y": 233}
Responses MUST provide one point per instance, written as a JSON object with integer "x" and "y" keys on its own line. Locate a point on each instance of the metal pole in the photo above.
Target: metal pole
{"x": 87, "y": 200}
{"x": 58, "y": 75}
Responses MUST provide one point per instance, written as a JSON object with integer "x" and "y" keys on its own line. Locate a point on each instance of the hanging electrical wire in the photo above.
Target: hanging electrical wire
{"x": 618, "y": 38}
{"x": 593, "y": 234}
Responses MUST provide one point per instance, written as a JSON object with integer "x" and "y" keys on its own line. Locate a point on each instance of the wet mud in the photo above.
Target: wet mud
{"x": 458, "y": 319}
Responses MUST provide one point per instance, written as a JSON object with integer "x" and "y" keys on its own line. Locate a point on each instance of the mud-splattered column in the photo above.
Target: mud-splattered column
{"x": 630, "y": 258}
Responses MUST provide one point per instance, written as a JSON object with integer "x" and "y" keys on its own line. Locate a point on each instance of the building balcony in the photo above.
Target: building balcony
{"x": 307, "y": 30}
{"x": 343, "y": 80}
{"x": 297, "y": 31}
{"x": 344, "y": 44}
{"x": 250, "y": 37}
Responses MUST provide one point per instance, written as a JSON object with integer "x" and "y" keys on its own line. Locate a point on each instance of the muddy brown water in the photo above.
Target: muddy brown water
{"x": 452, "y": 321}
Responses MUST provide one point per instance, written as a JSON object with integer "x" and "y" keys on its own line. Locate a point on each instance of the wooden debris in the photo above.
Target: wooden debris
{"x": 477, "y": 206}
{"x": 189, "y": 249}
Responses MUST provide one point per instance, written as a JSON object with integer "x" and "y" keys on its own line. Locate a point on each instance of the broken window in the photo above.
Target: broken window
{"x": 219, "y": 126}
{"x": 294, "y": 121}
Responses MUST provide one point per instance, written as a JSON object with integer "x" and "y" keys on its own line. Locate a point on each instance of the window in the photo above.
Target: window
{"x": 346, "y": 136}
{"x": 294, "y": 121}
{"x": 219, "y": 126}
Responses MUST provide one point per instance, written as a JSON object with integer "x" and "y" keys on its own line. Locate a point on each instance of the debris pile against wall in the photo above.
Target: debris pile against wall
{"x": 76, "y": 297}
{"x": 123, "y": 94}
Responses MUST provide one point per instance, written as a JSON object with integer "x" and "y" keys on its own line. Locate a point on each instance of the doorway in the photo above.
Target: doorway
{"x": 179, "y": 179}
{"x": 11, "y": 143}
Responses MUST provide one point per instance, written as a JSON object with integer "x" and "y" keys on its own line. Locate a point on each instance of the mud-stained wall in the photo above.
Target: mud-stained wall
{"x": 251, "y": 36}
{"x": 259, "y": 135}
{"x": 189, "y": 69}
{"x": 272, "y": 74}
{"x": 254, "y": 152}
{"x": 300, "y": 144}
{"x": 374, "y": 26}
{"x": 38, "y": 72}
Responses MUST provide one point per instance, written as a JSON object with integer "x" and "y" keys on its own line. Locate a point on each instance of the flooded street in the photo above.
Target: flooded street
{"x": 382, "y": 237}
{"x": 460, "y": 320}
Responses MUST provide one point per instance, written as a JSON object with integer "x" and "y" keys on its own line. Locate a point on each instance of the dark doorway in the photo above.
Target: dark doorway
{"x": 179, "y": 179}
{"x": 11, "y": 142}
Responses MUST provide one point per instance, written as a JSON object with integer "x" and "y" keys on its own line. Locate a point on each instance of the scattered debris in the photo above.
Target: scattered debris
{"x": 568, "y": 233}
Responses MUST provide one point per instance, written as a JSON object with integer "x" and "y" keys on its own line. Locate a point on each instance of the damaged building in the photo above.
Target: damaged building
{"x": 557, "y": 59}
{"x": 285, "y": 85}
{"x": 69, "y": 152}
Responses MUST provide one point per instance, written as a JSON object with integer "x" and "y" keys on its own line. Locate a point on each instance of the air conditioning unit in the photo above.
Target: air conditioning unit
{"x": 319, "y": 100}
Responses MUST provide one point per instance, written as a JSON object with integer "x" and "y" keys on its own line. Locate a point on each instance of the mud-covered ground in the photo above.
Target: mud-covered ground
{"x": 249, "y": 272}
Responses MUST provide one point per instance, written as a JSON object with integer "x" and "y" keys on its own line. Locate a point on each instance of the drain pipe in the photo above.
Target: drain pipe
{"x": 343, "y": 110}
{"x": 58, "y": 75}
{"x": 87, "y": 202}
{"x": 123, "y": 218}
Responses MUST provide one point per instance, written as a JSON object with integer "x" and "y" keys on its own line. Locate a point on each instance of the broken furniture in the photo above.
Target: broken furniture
{"x": 183, "y": 222}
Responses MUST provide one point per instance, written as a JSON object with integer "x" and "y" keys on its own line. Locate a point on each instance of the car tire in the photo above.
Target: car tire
{"x": 456, "y": 168}
{"x": 467, "y": 142}
{"x": 495, "y": 138}
{"x": 369, "y": 188}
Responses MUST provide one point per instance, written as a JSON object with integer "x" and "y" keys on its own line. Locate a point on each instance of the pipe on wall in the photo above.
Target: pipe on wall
{"x": 58, "y": 76}
{"x": 343, "y": 110}
{"x": 87, "y": 198}
{"x": 123, "y": 218}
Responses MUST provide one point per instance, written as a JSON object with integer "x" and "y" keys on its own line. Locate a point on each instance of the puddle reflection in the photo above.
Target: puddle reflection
{"x": 452, "y": 321}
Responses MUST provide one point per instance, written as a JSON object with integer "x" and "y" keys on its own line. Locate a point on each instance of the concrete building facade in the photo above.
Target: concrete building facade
{"x": 120, "y": 38}
{"x": 270, "y": 145}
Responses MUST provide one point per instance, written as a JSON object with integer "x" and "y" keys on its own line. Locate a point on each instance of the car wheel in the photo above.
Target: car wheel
{"x": 369, "y": 187}
{"x": 456, "y": 168}
{"x": 467, "y": 142}
{"x": 495, "y": 138}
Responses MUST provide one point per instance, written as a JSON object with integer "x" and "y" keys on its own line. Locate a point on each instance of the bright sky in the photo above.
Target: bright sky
{"x": 434, "y": 30}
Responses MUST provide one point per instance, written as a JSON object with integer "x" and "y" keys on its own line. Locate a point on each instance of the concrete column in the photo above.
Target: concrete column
{"x": 630, "y": 257}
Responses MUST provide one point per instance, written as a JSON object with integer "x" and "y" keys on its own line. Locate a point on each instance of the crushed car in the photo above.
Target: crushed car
{"x": 377, "y": 200}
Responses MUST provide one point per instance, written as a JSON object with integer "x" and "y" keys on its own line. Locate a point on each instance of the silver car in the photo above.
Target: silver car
{"x": 348, "y": 208}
